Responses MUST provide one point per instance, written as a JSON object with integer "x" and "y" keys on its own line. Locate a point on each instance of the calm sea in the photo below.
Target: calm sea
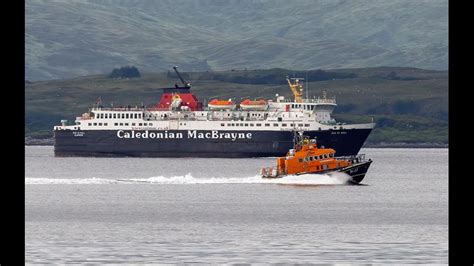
{"x": 155, "y": 210}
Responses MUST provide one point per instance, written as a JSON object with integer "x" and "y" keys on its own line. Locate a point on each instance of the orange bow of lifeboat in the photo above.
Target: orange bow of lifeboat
{"x": 307, "y": 158}
{"x": 260, "y": 105}
{"x": 221, "y": 105}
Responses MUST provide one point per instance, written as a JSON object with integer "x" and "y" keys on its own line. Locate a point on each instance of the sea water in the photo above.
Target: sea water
{"x": 194, "y": 210}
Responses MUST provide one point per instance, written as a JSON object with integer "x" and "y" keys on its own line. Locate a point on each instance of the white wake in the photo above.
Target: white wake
{"x": 307, "y": 179}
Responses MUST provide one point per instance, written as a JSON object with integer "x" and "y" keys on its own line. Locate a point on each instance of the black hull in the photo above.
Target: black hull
{"x": 357, "y": 171}
{"x": 106, "y": 143}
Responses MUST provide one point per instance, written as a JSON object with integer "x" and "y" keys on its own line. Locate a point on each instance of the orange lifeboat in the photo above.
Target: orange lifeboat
{"x": 260, "y": 105}
{"x": 221, "y": 105}
{"x": 307, "y": 158}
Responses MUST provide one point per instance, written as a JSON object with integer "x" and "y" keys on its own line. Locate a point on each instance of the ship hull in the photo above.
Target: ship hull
{"x": 188, "y": 143}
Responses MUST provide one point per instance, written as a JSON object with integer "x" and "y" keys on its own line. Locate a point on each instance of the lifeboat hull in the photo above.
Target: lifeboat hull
{"x": 221, "y": 107}
{"x": 356, "y": 171}
{"x": 256, "y": 107}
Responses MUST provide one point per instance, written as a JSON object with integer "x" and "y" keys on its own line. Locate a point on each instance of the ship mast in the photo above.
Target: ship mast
{"x": 186, "y": 84}
{"x": 296, "y": 88}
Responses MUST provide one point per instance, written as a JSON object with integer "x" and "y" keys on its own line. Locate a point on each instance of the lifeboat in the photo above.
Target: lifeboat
{"x": 307, "y": 158}
{"x": 221, "y": 105}
{"x": 260, "y": 105}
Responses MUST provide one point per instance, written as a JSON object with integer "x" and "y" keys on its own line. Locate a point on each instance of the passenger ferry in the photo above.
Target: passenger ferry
{"x": 181, "y": 126}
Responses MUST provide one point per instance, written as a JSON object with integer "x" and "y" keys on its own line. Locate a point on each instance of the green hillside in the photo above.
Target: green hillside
{"x": 409, "y": 105}
{"x": 65, "y": 39}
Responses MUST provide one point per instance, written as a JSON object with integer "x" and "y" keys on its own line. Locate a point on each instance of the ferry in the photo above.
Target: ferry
{"x": 307, "y": 158}
{"x": 180, "y": 125}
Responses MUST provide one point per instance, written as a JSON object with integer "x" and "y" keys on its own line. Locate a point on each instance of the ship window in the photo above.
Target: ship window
{"x": 246, "y": 125}
{"x": 133, "y": 124}
{"x": 267, "y": 125}
{"x": 275, "y": 125}
{"x": 115, "y": 124}
{"x": 222, "y": 124}
{"x": 241, "y": 124}
{"x": 90, "y": 124}
{"x": 331, "y": 155}
{"x": 251, "y": 125}
{"x": 95, "y": 124}
{"x": 292, "y": 125}
{"x": 300, "y": 125}
{"x": 320, "y": 157}
{"x": 283, "y": 125}
{"x": 115, "y": 115}
{"x": 139, "y": 124}
{"x": 300, "y": 160}
{"x": 325, "y": 156}
{"x": 135, "y": 115}
{"x": 145, "y": 124}
{"x": 126, "y": 115}
{"x": 306, "y": 125}
{"x": 311, "y": 158}
{"x": 139, "y": 115}
{"x": 259, "y": 125}
{"x": 100, "y": 124}
{"x": 105, "y": 124}
{"x": 126, "y": 124}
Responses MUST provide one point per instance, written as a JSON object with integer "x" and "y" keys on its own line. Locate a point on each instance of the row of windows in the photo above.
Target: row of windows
{"x": 305, "y": 106}
{"x": 119, "y": 115}
{"x": 312, "y": 158}
{"x": 122, "y": 124}
{"x": 95, "y": 124}
{"x": 259, "y": 125}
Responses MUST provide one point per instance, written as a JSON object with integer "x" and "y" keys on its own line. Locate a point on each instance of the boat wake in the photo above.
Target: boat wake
{"x": 307, "y": 179}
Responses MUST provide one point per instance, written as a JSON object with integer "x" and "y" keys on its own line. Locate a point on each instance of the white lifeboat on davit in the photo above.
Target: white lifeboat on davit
{"x": 260, "y": 105}
{"x": 221, "y": 105}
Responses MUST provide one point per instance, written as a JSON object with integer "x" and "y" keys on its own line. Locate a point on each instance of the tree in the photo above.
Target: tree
{"x": 125, "y": 72}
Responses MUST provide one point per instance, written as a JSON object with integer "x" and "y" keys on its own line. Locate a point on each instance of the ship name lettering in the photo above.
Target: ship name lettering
{"x": 149, "y": 135}
{"x": 192, "y": 134}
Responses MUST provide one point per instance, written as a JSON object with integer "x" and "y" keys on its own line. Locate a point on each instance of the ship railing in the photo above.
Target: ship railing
{"x": 314, "y": 100}
{"x": 118, "y": 109}
{"x": 353, "y": 158}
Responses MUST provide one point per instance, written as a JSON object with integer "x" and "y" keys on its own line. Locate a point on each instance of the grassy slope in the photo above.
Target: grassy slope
{"x": 411, "y": 108}
{"x": 66, "y": 38}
